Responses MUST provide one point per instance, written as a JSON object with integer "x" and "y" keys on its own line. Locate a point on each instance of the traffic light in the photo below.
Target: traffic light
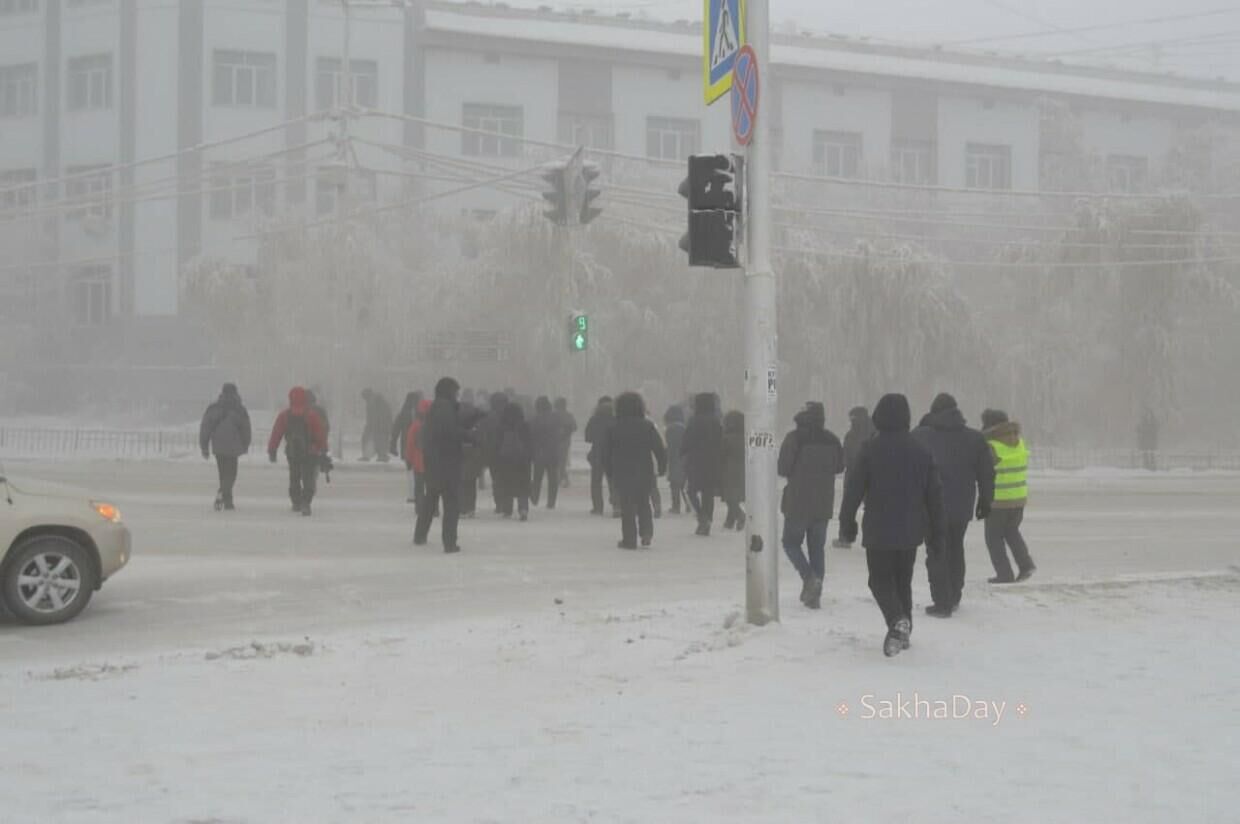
{"x": 578, "y": 333}
{"x": 557, "y": 193}
{"x": 715, "y": 192}
{"x": 589, "y": 173}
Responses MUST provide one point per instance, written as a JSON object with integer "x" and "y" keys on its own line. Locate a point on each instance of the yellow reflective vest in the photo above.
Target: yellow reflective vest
{"x": 1011, "y": 474}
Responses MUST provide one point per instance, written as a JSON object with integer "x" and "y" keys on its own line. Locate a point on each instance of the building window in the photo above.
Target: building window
{"x": 1128, "y": 174}
{"x": 245, "y": 79}
{"x": 90, "y": 83}
{"x": 92, "y": 296}
{"x": 89, "y": 190}
{"x": 672, "y": 138}
{"x": 837, "y": 154}
{"x": 589, "y": 130}
{"x": 8, "y": 7}
{"x": 19, "y": 93}
{"x": 17, "y": 189}
{"x": 504, "y": 120}
{"x": 913, "y": 162}
{"x": 243, "y": 194}
{"x": 988, "y": 167}
{"x": 329, "y": 83}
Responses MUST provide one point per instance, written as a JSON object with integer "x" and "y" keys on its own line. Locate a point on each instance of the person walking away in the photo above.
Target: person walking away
{"x": 967, "y": 470}
{"x": 568, "y": 427}
{"x": 305, "y": 443}
{"x": 633, "y": 457}
{"x": 674, "y": 434}
{"x": 400, "y": 435}
{"x": 514, "y": 458}
{"x": 732, "y": 462}
{"x": 473, "y": 462}
{"x": 488, "y": 434}
{"x": 1011, "y": 457}
{"x": 1147, "y": 439}
{"x": 378, "y": 429}
{"x": 895, "y": 477}
{"x": 809, "y": 459}
{"x": 597, "y": 427}
{"x": 225, "y": 431}
{"x": 702, "y": 449}
{"x": 443, "y": 439}
{"x": 320, "y": 409}
{"x": 545, "y": 430}
{"x": 860, "y": 430}
{"x": 415, "y": 457}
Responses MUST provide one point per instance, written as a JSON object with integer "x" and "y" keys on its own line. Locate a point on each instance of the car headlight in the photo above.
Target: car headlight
{"x": 107, "y": 511}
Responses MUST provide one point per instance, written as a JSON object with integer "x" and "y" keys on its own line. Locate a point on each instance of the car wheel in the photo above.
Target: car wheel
{"x": 50, "y": 580}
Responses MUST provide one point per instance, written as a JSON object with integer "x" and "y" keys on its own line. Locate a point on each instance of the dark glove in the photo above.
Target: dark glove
{"x": 271, "y": 456}
{"x": 983, "y": 510}
{"x": 848, "y": 532}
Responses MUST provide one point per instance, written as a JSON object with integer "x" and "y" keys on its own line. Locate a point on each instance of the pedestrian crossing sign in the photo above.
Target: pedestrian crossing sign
{"x": 723, "y": 34}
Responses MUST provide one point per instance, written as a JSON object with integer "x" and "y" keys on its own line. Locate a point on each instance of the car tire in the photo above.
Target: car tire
{"x": 49, "y": 580}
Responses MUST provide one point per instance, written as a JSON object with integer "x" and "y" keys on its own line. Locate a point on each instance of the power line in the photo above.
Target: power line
{"x": 1171, "y": 18}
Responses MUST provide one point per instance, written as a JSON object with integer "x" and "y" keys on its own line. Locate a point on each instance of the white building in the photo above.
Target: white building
{"x": 139, "y": 135}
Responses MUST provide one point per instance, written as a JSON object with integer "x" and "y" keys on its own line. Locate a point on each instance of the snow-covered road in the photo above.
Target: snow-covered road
{"x": 263, "y": 667}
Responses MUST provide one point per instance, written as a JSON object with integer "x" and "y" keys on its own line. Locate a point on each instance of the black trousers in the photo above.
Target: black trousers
{"x": 303, "y": 478}
{"x": 497, "y": 487}
{"x": 445, "y": 498}
{"x": 946, "y": 572}
{"x": 1002, "y": 534}
{"x": 702, "y": 499}
{"x": 656, "y": 500}
{"x": 597, "y": 476}
{"x": 891, "y": 582}
{"x": 677, "y": 490}
{"x": 552, "y": 472}
{"x": 469, "y": 495}
{"x": 227, "y": 468}
{"x": 513, "y": 483}
{"x": 636, "y": 518}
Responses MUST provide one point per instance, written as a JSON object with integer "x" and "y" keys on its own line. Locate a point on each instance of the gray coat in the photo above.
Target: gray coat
{"x": 810, "y": 458}
{"x": 225, "y": 429}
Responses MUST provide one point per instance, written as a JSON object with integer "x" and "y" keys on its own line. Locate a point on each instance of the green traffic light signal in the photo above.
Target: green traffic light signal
{"x": 579, "y": 337}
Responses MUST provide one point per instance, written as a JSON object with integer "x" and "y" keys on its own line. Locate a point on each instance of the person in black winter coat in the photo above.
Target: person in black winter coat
{"x": 376, "y": 435}
{"x": 225, "y": 430}
{"x": 568, "y": 426}
{"x": 443, "y": 438}
{"x": 860, "y": 430}
{"x": 488, "y": 435}
{"x": 732, "y": 466}
{"x": 513, "y": 458}
{"x": 546, "y": 431}
{"x": 702, "y": 450}
{"x": 472, "y": 465}
{"x": 600, "y": 423}
{"x": 809, "y": 458}
{"x": 674, "y": 434}
{"x": 396, "y": 443}
{"x": 895, "y": 477}
{"x": 633, "y": 456}
{"x": 966, "y": 467}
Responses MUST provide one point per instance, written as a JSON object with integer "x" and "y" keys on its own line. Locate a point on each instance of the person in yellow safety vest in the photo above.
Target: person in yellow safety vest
{"x": 1011, "y": 495}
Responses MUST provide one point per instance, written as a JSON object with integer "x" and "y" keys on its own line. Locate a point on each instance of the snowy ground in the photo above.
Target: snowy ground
{"x": 266, "y": 668}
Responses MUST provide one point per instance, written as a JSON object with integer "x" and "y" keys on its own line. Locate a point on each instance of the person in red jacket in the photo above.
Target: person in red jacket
{"x": 414, "y": 456}
{"x": 305, "y": 442}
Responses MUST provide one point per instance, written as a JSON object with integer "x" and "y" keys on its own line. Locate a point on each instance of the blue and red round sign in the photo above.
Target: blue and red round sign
{"x": 744, "y": 95}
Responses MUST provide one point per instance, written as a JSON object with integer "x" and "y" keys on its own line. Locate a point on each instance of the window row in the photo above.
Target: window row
{"x": 88, "y": 86}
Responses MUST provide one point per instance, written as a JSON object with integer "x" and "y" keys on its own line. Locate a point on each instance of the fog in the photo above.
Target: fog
{"x": 1082, "y": 275}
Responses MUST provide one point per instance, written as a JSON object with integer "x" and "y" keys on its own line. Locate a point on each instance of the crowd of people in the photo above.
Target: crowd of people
{"x": 917, "y": 486}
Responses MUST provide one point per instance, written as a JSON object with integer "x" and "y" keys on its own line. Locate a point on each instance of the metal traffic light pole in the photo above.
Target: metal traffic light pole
{"x": 761, "y": 358}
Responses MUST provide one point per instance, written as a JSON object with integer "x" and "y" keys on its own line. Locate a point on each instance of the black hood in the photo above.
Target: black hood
{"x": 892, "y": 414}
{"x": 674, "y": 414}
{"x": 543, "y": 405}
{"x": 813, "y": 416}
{"x": 704, "y": 404}
{"x": 447, "y": 389}
{"x": 229, "y": 395}
{"x": 947, "y": 420}
{"x": 630, "y": 405}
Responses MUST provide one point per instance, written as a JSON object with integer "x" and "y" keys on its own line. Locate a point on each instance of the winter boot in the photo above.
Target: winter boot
{"x": 892, "y": 645}
{"x": 703, "y": 530}
{"x": 805, "y": 590}
{"x": 936, "y": 611}
{"x": 626, "y": 545}
{"x": 305, "y": 511}
{"x": 813, "y": 594}
{"x": 646, "y": 542}
{"x": 1026, "y": 574}
{"x": 905, "y": 627}
{"x": 451, "y": 550}
{"x": 219, "y": 501}
{"x": 999, "y": 580}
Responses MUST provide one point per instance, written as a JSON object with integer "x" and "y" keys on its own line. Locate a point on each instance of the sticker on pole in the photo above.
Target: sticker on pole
{"x": 745, "y": 95}
{"x": 772, "y": 381}
{"x": 723, "y": 35}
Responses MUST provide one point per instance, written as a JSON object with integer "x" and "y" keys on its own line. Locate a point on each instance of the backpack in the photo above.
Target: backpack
{"x": 296, "y": 436}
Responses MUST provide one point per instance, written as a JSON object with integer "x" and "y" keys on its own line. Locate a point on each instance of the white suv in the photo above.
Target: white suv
{"x": 57, "y": 546}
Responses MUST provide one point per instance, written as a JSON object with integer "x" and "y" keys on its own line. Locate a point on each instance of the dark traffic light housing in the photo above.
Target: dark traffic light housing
{"x": 715, "y": 193}
{"x": 571, "y": 190}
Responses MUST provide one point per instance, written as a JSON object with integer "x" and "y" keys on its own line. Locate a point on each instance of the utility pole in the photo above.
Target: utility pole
{"x": 761, "y": 357}
{"x": 344, "y": 103}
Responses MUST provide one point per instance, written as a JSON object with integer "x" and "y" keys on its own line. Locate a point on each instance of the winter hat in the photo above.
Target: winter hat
{"x": 543, "y": 405}
{"x": 447, "y": 388}
{"x": 734, "y": 421}
{"x": 561, "y": 404}
{"x": 229, "y": 391}
{"x": 674, "y": 414}
{"x": 859, "y": 413}
{"x": 630, "y": 405}
{"x": 815, "y": 413}
{"x": 993, "y": 417}
{"x": 942, "y": 402}
{"x": 704, "y": 404}
{"x": 893, "y": 414}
